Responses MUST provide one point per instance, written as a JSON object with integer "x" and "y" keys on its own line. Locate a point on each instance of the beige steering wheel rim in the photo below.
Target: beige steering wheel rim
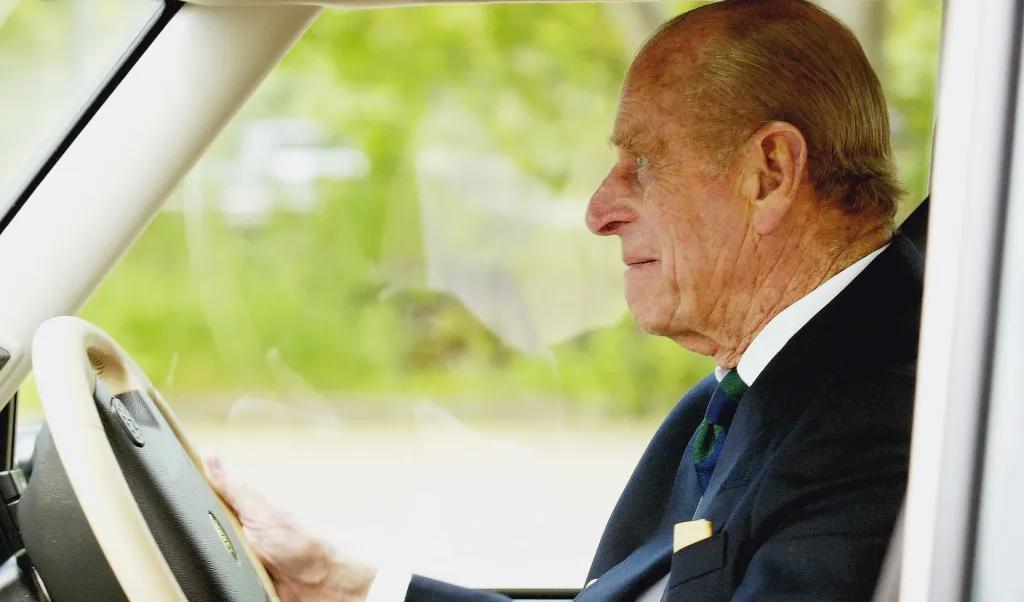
{"x": 67, "y": 355}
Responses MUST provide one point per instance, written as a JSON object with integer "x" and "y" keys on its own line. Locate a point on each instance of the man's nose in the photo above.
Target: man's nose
{"x": 611, "y": 206}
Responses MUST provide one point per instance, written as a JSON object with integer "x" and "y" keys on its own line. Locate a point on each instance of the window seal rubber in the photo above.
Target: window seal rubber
{"x": 124, "y": 65}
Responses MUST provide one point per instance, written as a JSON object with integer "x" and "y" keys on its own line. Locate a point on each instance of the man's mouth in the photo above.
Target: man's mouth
{"x": 637, "y": 263}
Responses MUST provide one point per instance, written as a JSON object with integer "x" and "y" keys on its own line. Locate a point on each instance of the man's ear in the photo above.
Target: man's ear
{"x": 777, "y": 155}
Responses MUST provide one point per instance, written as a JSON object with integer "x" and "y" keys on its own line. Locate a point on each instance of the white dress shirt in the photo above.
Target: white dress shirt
{"x": 391, "y": 586}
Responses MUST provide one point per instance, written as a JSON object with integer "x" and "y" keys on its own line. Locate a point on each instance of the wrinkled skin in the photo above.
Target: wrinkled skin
{"x": 712, "y": 254}
{"x": 302, "y": 567}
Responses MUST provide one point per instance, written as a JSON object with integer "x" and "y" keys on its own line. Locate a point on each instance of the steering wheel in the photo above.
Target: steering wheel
{"x": 115, "y": 474}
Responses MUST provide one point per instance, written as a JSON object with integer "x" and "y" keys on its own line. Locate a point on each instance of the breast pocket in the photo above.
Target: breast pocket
{"x": 696, "y": 573}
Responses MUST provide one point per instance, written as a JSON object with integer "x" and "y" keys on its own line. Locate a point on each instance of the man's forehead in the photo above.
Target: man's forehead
{"x": 651, "y": 107}
{"x": 645, "y": 121}
{"x": 673, "y": 50}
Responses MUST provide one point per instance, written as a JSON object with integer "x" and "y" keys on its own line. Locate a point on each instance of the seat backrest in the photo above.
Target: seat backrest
{"x": 915, "y": 227}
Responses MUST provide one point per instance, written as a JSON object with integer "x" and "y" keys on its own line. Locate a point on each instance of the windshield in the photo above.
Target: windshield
{"x": 53, "y": 55}
{"x": 376, "y": 300}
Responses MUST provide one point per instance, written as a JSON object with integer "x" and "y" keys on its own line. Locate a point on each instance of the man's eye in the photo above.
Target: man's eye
{"x": 641, "y": 162}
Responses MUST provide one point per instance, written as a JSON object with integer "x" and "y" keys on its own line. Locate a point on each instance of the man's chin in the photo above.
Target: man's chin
{"x": 659, "y": 325}
{"x": 651, "y": 324}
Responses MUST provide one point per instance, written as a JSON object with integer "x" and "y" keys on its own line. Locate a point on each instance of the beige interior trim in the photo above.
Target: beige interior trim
{"x": 67, "y": 354}
{"x": 161, "y": 117}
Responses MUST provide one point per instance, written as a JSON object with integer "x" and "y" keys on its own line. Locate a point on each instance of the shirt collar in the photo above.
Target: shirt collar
{"x": 777, "y": 332}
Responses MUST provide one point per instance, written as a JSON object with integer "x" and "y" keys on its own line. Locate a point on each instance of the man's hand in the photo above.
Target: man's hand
{"x": 302, "y": 567}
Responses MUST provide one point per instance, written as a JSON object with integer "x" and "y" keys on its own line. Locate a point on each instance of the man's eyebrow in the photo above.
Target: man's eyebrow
{"x": 632, "y": 142}
{"x": 627, "y": 141}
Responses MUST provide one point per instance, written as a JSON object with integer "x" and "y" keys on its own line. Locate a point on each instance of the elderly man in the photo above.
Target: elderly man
{"x": 754, "y": 197}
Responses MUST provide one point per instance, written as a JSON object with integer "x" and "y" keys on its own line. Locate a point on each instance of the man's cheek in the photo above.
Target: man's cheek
{"x": 673, "y": 266}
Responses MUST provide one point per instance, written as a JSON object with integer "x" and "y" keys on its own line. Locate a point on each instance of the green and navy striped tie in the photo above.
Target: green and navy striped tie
{"x": 710, "y": 437}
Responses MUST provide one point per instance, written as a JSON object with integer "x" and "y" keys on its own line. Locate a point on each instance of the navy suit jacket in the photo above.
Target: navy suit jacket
{"x": 812, "y": 474}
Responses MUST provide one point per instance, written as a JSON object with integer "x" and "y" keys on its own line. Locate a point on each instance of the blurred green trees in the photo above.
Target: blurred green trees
{"x": 334, "y": 301}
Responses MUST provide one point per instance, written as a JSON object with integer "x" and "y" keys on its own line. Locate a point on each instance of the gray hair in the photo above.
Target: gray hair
{"x": 788, "y": 60}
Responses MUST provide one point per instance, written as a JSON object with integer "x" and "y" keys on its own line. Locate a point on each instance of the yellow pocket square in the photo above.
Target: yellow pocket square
{"x": 689, "y": 533}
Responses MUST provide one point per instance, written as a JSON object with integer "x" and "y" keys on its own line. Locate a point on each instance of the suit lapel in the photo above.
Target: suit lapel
{"x": 630, "y": 572}
{"x": 645, "y": 565}
{"x": 686, "y": 492}
{"x": 655, "y": 484}
{"x": 648, "y": 563}
{"x": 627, "y": 580}
{"x": 634, "y": 575}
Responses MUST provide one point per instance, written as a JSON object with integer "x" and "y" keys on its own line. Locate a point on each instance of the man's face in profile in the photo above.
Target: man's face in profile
{"x": 680, "y": 226}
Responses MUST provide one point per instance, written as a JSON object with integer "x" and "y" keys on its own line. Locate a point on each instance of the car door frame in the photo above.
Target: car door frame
{"x": 976, "y": 110}
{"x": 149, "y": 123}
{"x": 73, "y": 222}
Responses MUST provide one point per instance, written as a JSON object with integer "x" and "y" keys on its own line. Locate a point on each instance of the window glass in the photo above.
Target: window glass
{"x": 375, "y": 297}
{"x": 53, "y": 55}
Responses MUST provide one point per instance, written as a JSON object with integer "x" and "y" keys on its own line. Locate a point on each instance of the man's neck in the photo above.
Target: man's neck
{"x": 795, "y": 267}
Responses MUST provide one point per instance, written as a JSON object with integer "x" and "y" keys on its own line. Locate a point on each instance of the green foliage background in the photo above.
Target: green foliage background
{"x": 307, "y": 305}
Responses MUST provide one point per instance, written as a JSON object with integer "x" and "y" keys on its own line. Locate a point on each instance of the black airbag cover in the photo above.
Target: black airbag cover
{"x": 57, "y": 536}
{"x": 195, "y": 536}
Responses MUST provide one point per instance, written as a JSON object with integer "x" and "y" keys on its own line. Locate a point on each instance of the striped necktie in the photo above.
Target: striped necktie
{"x": 710, "y": 437}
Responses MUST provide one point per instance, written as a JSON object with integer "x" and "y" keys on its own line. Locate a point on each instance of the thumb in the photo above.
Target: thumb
{"x": 248, "y": 505}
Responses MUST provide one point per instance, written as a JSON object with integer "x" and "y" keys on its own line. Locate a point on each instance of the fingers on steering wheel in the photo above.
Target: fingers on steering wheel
{"x": 248, "y": 505}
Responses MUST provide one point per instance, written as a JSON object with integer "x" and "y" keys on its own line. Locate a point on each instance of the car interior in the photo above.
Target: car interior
{"x": 107, "y": 500}
{"x": 161, "y": 470}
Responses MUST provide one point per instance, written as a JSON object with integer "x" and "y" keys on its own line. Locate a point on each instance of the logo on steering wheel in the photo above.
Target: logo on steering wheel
{"x": 223, "y": 536}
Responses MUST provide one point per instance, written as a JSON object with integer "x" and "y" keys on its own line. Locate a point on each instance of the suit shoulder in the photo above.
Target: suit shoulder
{"x": 869, "y": 393}
{"x": 859, "y": 419}
{"x": 845, "y": 459}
